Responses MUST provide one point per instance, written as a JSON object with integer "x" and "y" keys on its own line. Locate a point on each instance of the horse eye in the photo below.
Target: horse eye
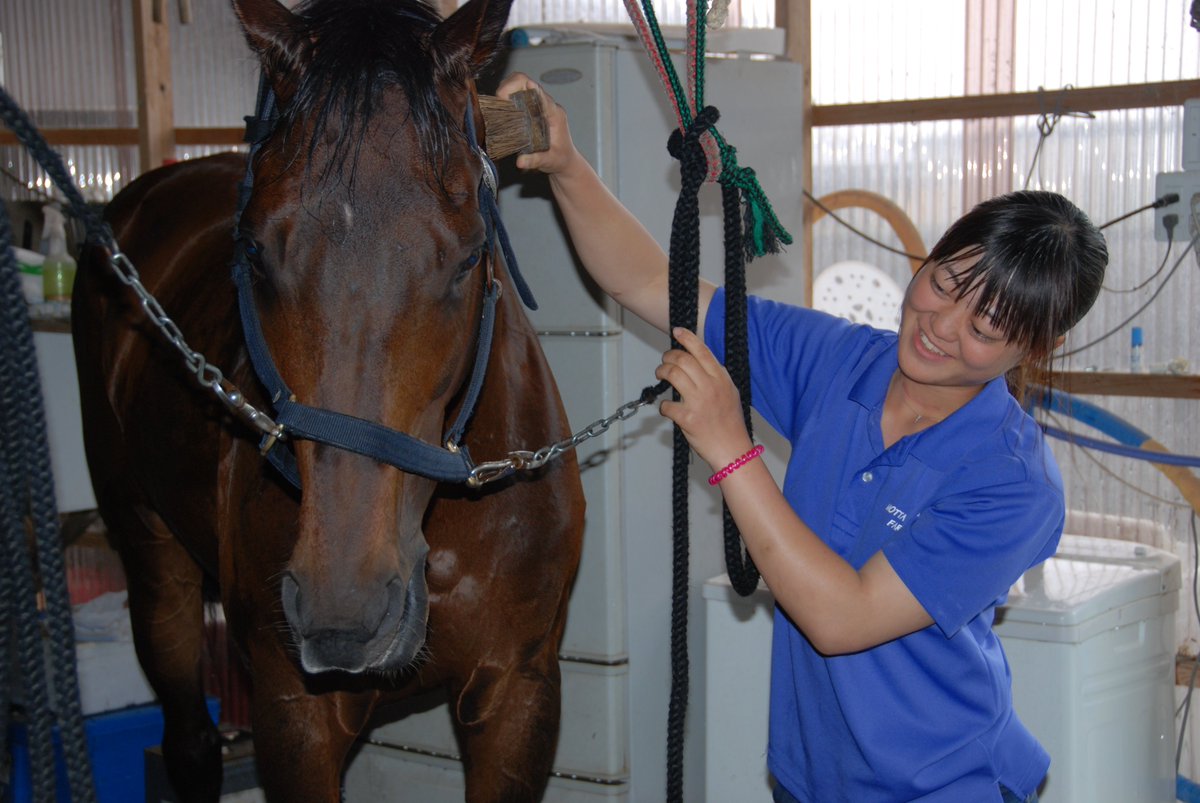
{"x": 250, "y": 247}
{"x": 467, "y": 265}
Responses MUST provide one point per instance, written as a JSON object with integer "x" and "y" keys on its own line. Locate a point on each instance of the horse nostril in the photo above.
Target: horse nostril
{"x": 289, "y": 592}
{"x": 397, "y": 601}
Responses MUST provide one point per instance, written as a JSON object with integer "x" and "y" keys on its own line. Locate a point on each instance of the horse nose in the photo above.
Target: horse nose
{"x": 348, "y": 639}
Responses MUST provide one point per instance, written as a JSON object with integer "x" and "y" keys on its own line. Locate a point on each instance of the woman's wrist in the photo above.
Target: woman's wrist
{"x": 722, "y": 469}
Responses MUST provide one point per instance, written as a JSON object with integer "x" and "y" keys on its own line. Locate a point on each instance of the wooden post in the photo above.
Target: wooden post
{"x": 795, "y": 17}
{"x": 990, "y": 67}
{"x": 156, "y": 108}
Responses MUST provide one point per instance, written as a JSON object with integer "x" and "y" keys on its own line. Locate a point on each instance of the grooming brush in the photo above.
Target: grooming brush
{"x": 516, "y": 125}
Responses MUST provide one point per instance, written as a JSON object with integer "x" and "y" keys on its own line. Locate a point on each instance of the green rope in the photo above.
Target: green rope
{"x": 766, "y": 232}
{"x": 685, "y": 112}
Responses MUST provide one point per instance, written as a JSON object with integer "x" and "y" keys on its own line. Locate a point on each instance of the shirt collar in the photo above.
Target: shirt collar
{"x": 944, "y": 444}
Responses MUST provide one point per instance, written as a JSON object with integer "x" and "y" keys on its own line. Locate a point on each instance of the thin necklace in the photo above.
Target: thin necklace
{"x": 904, "y": 400}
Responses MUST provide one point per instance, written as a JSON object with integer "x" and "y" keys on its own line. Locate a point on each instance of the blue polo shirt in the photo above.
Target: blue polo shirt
{"x": 961, "y": 510}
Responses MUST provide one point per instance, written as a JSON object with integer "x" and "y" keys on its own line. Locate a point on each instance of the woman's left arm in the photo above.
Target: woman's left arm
{"x": 839, "y": 609}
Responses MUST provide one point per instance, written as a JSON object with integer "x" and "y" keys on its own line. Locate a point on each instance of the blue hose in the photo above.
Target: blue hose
{"x": 1128, "y": 438}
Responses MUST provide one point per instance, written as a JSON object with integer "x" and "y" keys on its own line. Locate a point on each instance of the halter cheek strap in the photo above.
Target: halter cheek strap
{"x": 488, "y": 207}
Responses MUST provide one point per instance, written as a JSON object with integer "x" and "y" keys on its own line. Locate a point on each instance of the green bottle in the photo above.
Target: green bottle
{"x": 58, "y": 271}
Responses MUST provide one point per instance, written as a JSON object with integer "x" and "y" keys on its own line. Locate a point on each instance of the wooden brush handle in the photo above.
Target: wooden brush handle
{"x": 516, "y": 125}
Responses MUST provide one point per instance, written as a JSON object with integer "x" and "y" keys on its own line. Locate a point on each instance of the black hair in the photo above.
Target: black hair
{"x": 1040, "y": 265}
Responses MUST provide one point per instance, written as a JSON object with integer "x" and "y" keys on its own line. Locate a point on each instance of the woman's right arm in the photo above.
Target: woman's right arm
{"x": 615, "y": 248}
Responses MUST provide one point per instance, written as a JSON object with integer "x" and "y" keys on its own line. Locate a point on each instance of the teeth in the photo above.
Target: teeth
{"x": 927, "y": 344}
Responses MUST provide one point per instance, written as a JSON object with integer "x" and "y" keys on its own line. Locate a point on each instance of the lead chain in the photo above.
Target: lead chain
{"x": 522, "y": 460}
{"x": 208, "y": 375}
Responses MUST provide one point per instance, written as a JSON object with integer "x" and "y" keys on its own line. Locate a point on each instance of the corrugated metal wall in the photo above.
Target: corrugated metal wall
{"x": 70, "y": 64}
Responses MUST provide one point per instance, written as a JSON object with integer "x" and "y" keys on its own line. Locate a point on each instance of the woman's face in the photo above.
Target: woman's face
{"x": 943, "y": 341}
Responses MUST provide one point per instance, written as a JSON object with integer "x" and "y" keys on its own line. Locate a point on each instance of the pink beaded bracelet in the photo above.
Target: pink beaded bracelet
{"x": 735, "y": 465}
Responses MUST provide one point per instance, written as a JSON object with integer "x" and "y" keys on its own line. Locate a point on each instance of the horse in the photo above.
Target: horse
{"x": 369, "y": 268}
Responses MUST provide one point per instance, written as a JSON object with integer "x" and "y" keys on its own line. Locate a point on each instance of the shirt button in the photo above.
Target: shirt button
{"x": 867, "y": 476}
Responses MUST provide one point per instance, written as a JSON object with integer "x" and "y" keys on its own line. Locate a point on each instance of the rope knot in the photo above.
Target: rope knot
{"x": 695, "y": 148}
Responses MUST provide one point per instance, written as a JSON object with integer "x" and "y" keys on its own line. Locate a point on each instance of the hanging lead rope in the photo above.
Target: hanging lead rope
{"x": 45, "y": 642}
{"x": 704, "y": 156}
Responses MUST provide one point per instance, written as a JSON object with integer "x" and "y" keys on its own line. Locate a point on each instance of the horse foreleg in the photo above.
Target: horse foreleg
{"x": 301, "y": 736}
{"x": 166, "y": 608}
{"x": 508, "y": 720}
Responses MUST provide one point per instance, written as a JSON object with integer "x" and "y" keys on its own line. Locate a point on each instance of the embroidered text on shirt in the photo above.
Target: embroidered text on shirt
{"x": 898, "y": 518}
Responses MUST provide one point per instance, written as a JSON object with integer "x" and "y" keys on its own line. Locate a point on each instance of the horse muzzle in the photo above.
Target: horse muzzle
{"x": 385, "y": 634}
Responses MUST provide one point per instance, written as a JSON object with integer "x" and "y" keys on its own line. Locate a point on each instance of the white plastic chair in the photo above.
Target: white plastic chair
{"x": 859, "y": 292}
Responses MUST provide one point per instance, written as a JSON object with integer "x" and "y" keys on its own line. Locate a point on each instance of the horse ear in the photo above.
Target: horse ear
{"x": 468, "y": 39}
{"x": 270, "y": 28}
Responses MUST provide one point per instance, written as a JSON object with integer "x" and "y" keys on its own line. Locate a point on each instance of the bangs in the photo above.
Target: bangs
{"x": 1020, "y": 300}
{"x": 1035, "y": 261}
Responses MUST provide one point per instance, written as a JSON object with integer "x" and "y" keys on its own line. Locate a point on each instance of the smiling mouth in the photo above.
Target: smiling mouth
{"x": 925, "y": 341}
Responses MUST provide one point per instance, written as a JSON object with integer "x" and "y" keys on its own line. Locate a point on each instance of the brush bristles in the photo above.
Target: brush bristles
{"x": 515, "y": 125}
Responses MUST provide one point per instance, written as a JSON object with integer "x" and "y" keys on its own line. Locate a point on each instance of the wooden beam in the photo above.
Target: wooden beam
{"x": 79, "y": 136}
{"x": 1109, "y": 383}
{"x": 1134, "y": 96}
{"x": 1093, "y": 99}
{"x": 156, "y": 109}
{"x": 119, "y": 137}
{"x": 795, "y": 17}
{"x": 210, "y": 136}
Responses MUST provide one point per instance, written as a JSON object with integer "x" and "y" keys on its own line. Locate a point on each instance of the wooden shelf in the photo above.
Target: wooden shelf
{"x": 1106, "y": 383}
{"x": 60, "y": 326}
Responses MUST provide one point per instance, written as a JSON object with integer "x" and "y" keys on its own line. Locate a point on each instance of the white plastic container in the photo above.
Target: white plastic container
{"x": 29, "y": 265}
{"x": 736, "y": 695}
{"x": 1090, "y": 639}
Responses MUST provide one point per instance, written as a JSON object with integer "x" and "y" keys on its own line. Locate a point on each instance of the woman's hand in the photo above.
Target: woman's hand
{"x": 561, "y": 154}
{"x": 710, "y": 408}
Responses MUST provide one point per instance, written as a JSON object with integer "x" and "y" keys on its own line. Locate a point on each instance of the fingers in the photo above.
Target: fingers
{"x": 517, "y": 82}
{"x": 677, "y": 367}
{"x": 695, "y": 346}
{"x": 561, "y": 151}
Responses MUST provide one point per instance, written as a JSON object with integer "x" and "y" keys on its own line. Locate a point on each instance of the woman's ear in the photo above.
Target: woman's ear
{"x": 1058, "y": 342}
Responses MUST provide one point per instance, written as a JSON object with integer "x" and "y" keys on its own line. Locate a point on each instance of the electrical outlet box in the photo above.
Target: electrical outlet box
{"x": 1185, "y": 184}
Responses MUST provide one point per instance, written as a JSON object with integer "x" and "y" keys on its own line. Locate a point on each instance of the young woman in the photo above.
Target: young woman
{"x": 917, "y": 491}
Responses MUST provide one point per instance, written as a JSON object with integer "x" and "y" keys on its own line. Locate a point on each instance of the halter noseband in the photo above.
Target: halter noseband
{"x": 384, "y": 444}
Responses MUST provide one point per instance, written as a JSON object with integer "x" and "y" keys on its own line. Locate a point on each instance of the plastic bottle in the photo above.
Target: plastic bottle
{"x": 1136, "y": 365}
{"x": 58, "y": 271}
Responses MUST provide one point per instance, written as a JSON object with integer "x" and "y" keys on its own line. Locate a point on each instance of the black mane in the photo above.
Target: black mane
{"x": 354, "y": 49}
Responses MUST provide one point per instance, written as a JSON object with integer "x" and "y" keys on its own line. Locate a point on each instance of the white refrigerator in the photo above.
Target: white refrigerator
{"x": 616, "y": 649}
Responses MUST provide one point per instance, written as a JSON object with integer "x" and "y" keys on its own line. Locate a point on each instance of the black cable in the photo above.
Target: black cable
{"x": 817, "y": 203}
{"x": 1157, "y": 203}
{"x": 1170, "y": 242}
{"x": 1140, "y": 309}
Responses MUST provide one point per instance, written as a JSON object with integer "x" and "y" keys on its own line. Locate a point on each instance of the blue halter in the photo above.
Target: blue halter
{"x": 450, "y": 464}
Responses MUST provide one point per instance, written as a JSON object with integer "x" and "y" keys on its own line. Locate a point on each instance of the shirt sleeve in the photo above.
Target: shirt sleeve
{"x": 964, "y": 552}
{"x": 794, "y": 351}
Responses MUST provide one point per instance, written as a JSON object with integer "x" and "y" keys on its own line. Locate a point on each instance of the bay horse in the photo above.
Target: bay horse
{"x": 369, "y": 271}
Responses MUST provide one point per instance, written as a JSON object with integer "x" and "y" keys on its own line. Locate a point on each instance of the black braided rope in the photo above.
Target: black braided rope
{"x": 743, "y": 574}
{"x": 46, "y": 645}
{"x": 684, "y": 277}
{"x": 683, "y": 284}
{"x": 20, "y": 599}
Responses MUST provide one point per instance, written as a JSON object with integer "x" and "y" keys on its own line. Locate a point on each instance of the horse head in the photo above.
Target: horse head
{"x": 369, "y": 260}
